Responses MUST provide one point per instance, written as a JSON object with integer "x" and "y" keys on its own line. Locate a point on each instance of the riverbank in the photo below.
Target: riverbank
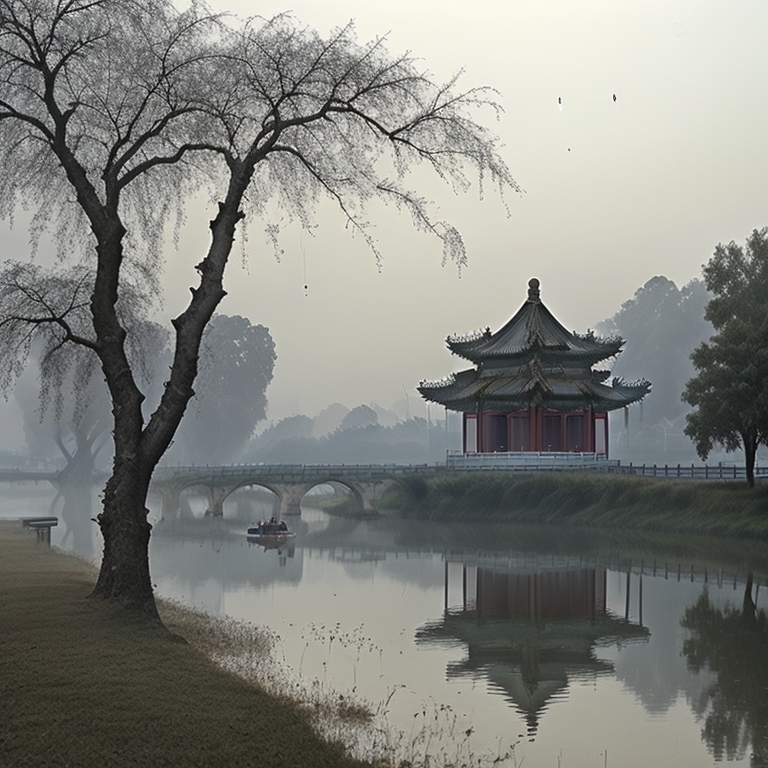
{"x": 85, "y": 684}
{"x": 589, "y": 499}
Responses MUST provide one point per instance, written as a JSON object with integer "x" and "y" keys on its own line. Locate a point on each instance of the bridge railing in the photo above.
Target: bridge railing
{"x": 691, "y": 471}
{"x": 305, "y": 470}
{"x": 455, "y": 461}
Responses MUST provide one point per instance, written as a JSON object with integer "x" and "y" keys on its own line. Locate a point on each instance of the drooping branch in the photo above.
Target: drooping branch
{"x": 42, "y": 305}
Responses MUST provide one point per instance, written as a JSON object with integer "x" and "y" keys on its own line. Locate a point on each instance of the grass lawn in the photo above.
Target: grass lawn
{"x": 85, "y": 684}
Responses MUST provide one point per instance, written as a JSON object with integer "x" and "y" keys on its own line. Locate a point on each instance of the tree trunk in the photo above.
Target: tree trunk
{"x": 750, "y": 452}
{"x": 124, "y": 574}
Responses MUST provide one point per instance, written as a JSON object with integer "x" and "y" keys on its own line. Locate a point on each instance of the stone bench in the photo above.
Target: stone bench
{"x": 41, "y": 525}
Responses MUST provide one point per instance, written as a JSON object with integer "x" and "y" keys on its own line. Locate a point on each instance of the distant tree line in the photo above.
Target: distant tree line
{"x": 356, "y": 437}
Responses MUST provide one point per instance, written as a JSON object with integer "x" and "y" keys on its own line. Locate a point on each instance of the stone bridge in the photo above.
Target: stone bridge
{"x": 289, "y": 482}
{"x": 367, "y": 482}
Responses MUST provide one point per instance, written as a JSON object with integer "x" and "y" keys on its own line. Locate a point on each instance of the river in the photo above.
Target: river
{"x": 556, "y": 648}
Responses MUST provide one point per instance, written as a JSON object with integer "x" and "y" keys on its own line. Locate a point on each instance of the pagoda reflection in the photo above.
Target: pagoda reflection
{"x": 530, "y": 633}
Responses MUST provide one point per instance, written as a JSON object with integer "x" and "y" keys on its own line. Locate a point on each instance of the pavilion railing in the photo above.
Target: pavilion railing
{"x": 527, "y": 460}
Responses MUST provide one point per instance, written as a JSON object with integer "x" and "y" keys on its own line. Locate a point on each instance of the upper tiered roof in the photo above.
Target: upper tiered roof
{"x": 533, "y": 328}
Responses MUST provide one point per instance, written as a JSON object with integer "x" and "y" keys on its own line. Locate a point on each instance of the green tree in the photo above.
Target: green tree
{"x": 113, "y": 111}
{"x": 729, "y": 392}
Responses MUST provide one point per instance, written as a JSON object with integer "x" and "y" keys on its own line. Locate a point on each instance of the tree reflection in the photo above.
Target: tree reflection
{"x": 731, "y": 642}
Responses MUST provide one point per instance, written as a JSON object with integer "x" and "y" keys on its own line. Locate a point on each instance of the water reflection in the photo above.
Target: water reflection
{"x": 633, "y": 645}
{"x": 498, "y": 622}
{"x": 732, "y": 642}
{"x": 200, "y": 560}
{"x": 283, "y": 549}
{"x": 530, "y": 632}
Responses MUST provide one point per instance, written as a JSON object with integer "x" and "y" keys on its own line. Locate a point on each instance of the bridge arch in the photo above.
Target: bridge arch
{"x": 215, "y": 493}
{"x": 353, "y": 488}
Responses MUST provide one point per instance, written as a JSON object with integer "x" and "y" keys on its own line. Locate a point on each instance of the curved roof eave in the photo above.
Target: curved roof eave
{"x": 510, "y": 394}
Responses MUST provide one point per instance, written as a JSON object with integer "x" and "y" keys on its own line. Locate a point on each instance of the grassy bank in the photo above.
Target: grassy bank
{"x": 589, "y": 499}
{"x": 83, "y": 684}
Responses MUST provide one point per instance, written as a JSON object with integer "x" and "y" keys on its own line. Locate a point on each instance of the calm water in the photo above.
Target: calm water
{"x": 578, "y": 650}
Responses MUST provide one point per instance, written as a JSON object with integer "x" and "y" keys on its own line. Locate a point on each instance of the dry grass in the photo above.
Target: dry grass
{"x": 253, "y": 654}
{"x": 85, "y": 684}
{"x": 435, "y": 739}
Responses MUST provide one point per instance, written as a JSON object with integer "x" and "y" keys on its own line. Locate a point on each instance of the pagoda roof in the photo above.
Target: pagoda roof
{"x": 533, "y": 329}
{"x": 534, "y": 361}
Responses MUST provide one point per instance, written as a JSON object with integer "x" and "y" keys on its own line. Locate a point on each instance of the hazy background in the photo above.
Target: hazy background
{"x": 616, "y": 191}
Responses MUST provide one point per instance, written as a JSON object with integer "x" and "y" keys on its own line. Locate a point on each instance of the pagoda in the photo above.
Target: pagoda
{"x": 533, "y": 386}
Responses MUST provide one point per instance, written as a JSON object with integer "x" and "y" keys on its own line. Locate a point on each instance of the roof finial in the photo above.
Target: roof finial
{"x": 533, "y": 289}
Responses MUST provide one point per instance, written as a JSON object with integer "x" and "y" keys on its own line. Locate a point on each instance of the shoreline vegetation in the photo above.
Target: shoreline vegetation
{"x": 587, "y": 499}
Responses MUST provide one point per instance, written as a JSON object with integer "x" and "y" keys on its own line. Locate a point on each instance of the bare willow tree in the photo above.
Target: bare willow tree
{"x": 112, "y": 112}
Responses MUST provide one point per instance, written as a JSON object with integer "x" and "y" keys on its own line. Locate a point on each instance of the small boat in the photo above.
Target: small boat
{"x": 270, "y": 532}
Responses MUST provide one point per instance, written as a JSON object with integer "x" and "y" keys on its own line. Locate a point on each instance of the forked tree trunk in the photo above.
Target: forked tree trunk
{"x": 124, "y": 574}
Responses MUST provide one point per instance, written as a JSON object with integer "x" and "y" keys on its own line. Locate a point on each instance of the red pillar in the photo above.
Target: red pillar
{"x": 480, "y": 429}
{"x": 537, "y": 427}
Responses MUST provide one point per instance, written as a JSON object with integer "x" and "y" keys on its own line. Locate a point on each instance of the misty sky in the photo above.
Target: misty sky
{"x": 615, "y": 191}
